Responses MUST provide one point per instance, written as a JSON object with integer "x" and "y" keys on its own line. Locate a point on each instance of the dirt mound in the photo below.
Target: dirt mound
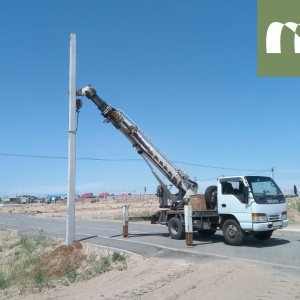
{"x": 62, "y": 259}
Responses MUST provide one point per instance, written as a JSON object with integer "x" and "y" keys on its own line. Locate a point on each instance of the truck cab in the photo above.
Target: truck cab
{"x": 250, "y": 205}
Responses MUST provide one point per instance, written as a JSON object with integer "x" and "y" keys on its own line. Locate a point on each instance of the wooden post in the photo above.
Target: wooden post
{"x": 125, "y": 220}
{"x": 188, "y": 225}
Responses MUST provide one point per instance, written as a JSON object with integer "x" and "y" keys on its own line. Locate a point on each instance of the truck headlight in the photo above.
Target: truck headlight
{"x": 284, "y": 216}
{"x": 256, "y": 218}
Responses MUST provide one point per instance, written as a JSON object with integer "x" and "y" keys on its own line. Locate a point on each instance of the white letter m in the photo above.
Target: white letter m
{"x": 273, "y": 39}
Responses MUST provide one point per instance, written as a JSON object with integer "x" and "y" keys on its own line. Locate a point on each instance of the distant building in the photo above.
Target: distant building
{"x": 103, "y": 195}
{"x": 87, "y": 195}
{"x": 54, "y": 197}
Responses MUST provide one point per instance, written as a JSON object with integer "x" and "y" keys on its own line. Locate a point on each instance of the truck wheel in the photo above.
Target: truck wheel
{"x": 264, "y": 235}
{"x": 211, "y": 197}
{"x": 207, "y": 233}
{"x": 176, "y": 229}
{"x": 232, "y": 232}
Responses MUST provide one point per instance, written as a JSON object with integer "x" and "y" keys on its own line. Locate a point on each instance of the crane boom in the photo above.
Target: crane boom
{"x": 144, "y": 146}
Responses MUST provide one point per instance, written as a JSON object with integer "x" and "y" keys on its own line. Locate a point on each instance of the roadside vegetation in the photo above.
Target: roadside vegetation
{"x": 293, "y": 209}
{"x": 32, "y": 264}
{"x": 296, "y": 204}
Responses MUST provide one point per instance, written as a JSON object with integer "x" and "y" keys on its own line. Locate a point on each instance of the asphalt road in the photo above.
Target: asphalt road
{"x": 282, "y": 251}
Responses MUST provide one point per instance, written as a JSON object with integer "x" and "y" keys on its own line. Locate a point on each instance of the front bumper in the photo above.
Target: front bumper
{"x": 270, "y": 225}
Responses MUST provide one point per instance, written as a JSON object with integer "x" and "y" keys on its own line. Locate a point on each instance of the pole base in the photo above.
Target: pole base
{"x": 125, "y": 231}
{"x": 189, "y": 238}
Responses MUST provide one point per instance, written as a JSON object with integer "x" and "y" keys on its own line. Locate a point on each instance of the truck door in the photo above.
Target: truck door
{"x": 232, "y": 201}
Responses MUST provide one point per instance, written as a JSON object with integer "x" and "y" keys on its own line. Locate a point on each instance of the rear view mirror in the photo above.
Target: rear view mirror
{"x": 245, "y": 194}
{"x": 246, "y": 191}
{"x": 295, "y": 191}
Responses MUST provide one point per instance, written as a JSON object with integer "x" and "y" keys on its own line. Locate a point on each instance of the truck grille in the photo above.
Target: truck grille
{"x": 276, "y": 217}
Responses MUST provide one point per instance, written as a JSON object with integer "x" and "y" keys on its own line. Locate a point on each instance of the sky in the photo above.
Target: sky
{"x": 184, "y": 71}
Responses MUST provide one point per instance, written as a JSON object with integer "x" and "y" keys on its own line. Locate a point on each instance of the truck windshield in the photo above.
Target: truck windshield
{"x": 265, "y": 190}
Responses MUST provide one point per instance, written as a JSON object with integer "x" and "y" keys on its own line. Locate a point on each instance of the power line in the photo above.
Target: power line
{"x": 33, "y": 156}
{"x": 63, "y": 157}
{"x": 222, "y": 175}
{"x": 221, "y": 168}
{"x": 208, "y": 179}
{"x": 127, "y": 159}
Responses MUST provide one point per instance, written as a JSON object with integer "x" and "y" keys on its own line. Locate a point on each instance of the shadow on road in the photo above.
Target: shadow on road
{"x": 199, "y": 240}
{"x": 249, "y": 241}
{"x": 272, "y": 242}
{"x": 141, "y": 235}
{"x": 87, "y": 238}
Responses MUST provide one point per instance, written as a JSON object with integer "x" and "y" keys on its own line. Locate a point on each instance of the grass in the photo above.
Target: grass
{"x": 103, "y": 265}
{"x": 102, "y": 262}
{"x": 118, "y": 257}
{"x": 297, "y": 205}
{"x": 18, "y": 267}
{"x": 24, "y": 265}
{"x": 71, "y": 274}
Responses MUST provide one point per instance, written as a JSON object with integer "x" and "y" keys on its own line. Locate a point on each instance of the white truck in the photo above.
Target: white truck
{"x": 238, "y": 205}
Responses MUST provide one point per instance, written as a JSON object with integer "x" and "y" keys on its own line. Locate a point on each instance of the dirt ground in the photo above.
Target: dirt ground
{"x": 110, "y": 210}
{"x": 170, "y": 279}
{"x": 102, "y": 210}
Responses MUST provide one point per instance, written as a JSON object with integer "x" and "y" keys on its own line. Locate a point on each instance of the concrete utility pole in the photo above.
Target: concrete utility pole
{"x": 272, "y": 170}
{"x": 70, "y": 232}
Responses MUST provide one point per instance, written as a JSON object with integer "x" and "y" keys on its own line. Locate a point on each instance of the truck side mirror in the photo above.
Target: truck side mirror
{"x": 295, "y": 191}
{"x": 246, "y": 194}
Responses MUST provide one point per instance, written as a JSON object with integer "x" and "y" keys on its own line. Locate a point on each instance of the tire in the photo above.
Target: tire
{"x": 176, "y": 229}
{"x": 211, "y": 197}
{"x": 232, "y": 232}
{"x": 207, "y": 233}
{"x": 264, "y": 235}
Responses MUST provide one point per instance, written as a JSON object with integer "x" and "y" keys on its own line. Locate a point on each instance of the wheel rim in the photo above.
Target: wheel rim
{"x": 174, "y": 228}
{"x": 232, "y": 231}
